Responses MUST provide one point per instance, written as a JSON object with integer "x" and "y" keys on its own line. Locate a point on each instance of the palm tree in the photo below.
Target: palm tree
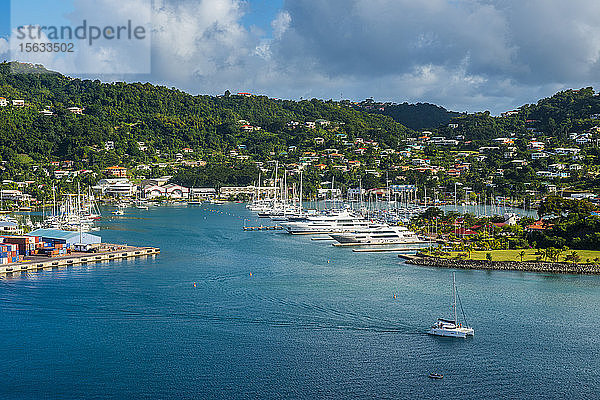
{"x": 469, "y": 249}
{"x": 522, "y": 254}
{"x": 573, "y": 256}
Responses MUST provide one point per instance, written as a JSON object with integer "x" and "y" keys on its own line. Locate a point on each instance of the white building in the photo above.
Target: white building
{"x": 170, "y": 190}
{"x": 115, "y": 187}
{"x": 14, "y": 195}
{"x": 203, "y": 193}
{"x": 76, "y": 110}
{"x": 263, "y": 191}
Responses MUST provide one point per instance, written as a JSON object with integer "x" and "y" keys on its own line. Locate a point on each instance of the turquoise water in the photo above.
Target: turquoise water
{"x": 275, "y": 316}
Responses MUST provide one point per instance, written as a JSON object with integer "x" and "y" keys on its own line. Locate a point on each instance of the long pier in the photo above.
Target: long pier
{"x": 383, "y": 250}
{"x": 263, "y": 228}
{"x": 42, "y": 263}
{"x": 378, "y": 244}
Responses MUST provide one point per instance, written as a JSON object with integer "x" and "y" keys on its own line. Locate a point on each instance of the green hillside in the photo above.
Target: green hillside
{"x": 165, "y": 119}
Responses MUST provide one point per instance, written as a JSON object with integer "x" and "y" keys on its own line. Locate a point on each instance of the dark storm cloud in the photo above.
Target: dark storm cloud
{"x": 528, "y": 42}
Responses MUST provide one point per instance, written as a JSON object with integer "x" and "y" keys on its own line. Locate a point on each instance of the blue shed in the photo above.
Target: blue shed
{"x": 67, "y": 237}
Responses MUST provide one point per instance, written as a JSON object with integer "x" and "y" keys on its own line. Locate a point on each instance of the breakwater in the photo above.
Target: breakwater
{"x": 526, "y": 266}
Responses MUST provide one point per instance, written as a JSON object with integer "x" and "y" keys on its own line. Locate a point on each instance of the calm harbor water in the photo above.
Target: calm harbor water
{"x": 274, "y": 316}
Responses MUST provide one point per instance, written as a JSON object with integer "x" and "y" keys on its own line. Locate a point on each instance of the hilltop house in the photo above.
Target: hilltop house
{"x": 3, "y": 102}
{"x": 535, "y": 145}
{"x": 18, "y": 103}
{"x": 75, "y": 110}
{"x": 117, "y": 172}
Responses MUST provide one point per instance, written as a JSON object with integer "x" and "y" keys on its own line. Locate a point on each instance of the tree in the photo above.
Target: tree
{"x": 488, "y": 257}
{"x": 521, "y": 255}
{"x": 573, "y": 257}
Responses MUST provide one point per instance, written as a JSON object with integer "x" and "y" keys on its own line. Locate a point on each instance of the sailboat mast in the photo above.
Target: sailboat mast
{"x": 301, "y": 205}
{"x": 454, "y": 296}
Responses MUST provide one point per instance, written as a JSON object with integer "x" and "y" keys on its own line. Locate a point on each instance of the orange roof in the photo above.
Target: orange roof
{"x": 539, "y": 226}
{"x": 116, "y": 168}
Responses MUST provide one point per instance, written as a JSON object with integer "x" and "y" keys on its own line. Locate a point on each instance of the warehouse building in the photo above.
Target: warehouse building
{"x": 66, "y": 237}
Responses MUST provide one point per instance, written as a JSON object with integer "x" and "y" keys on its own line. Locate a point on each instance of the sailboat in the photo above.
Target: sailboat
{"x": 451, "y": 328}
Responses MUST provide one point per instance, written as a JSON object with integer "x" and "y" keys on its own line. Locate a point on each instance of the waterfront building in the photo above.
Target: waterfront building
{"x": 65, "y": 237}
{"x": 9, "y": 227}
{"x": 263, "y": 191}
{"x": 203, "y": 193}
{"x": 115, "y": 187}
{"x": 170, "y": 190}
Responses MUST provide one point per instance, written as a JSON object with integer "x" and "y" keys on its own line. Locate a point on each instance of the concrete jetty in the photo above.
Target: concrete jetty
{"x": 111, "y": 253}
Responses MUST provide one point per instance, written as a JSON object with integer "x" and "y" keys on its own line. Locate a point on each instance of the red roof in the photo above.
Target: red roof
{"x": 462, "y": 232}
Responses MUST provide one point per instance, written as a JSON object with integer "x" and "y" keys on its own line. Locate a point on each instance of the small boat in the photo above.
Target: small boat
{"x": 451, "y": 328}
{"x": 436, "y": 376}
{"x": 141, "y": 205}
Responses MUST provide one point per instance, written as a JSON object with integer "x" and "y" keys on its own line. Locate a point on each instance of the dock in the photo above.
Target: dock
{"x": 38, "y": 263}
{"x": 374, "y": 244}
{"x": 381, "y": 250}
{"x": 264, "y": 228}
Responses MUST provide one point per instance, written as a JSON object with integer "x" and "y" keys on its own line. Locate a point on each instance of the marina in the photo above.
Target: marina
{"x": 226, "y": 298}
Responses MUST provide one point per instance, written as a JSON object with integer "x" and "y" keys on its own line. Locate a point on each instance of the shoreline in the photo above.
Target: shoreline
{"x": 525, "y": 266}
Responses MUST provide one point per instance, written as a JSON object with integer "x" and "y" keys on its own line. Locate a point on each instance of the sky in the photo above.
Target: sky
{"x": 465, "y": 55}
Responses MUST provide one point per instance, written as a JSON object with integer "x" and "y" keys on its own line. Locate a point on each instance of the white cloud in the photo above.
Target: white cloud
{"x": 281, "y": 23}
{"x": 123, "y": 55}
{"x": 4, "y": 47}
{"x": 201, "y": 42}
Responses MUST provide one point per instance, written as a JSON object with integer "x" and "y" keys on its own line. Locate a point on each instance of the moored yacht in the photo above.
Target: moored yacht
{"x": 451, "y": 328}
{"x": 343, "y": 221}
{"x": 377, "y": 234}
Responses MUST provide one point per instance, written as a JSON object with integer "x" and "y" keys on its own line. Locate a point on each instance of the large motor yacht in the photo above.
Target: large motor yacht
{"x": 377, "y": 234}
{"x": 337, "y": 222}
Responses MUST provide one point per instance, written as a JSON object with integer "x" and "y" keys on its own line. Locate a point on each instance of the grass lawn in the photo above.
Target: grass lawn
{"x": 513, "y": 255}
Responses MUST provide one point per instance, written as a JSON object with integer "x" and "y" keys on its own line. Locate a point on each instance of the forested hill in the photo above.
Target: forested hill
{"x": 420, "y": 116}
{"x": 553, "y": 117}
{"x": 163, "y": 118}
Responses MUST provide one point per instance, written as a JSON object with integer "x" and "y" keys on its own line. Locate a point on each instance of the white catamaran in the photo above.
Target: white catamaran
{"x": 452, "y": 328}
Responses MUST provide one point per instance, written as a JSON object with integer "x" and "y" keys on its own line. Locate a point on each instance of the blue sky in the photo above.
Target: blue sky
{"x": 466, "y": 55}
{"x": 4, "y": 17}
{"x": 261, "y": 13}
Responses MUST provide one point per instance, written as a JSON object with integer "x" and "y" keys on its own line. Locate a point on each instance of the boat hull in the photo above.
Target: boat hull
{"x": 456, "y": 332}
